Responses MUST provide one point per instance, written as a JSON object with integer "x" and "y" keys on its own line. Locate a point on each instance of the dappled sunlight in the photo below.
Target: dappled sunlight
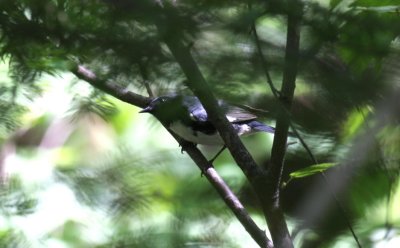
{"x": 316, "y": 83}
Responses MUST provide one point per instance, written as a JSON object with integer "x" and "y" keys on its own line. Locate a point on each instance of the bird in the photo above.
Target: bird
{"x": 185, "y": 116}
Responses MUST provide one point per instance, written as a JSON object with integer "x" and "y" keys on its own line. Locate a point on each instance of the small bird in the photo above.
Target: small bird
{"x": 186, "y": 116}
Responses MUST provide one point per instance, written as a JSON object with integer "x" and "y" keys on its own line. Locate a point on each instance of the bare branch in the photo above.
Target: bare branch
{"x": 282, "y": 127}
{"x": 226, "y": 194}
{"x": 111, "y": 88}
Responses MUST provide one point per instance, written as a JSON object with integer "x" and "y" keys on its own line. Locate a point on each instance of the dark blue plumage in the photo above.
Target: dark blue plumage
{"x": 186, "y": 116}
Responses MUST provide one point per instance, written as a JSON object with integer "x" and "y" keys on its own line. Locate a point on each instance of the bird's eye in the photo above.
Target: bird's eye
{"x": 163, "y": 99}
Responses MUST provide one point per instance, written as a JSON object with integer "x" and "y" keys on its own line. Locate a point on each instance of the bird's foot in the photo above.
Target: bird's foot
{"x": 182, "y": 146}
{"x": 204, "y": 170}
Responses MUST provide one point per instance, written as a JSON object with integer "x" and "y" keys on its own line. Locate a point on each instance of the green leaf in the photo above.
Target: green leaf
{"x": 355, "y": 122}
{"x": 311, "y": 170}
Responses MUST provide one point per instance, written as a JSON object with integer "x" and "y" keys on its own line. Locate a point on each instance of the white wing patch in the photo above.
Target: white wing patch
{"x": 244, "y": 129}
{"x": 231, "y": 119}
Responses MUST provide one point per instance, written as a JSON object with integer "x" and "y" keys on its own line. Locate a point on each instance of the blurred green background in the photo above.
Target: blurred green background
{"x": 79, "y": 168}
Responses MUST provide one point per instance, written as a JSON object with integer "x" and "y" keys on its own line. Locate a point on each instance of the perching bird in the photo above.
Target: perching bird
{"x": 186, "y": 116}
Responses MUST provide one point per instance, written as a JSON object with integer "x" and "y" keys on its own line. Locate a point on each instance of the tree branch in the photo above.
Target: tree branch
{"x": 210, "y": 173}
{"x": 226, "y": 193}
{"x": 286, "y": 98}
{"x": 256, "y": 175}
{"x": 264, "y": 64}
{"x": 282, "y": 125}
{"x": 199, "y": 86}
{"x": 111, "y": 88}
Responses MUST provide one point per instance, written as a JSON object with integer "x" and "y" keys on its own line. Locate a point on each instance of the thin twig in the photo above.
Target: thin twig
{"x": 145, "y": 77}
{"x": 334, "y": 196}
{"x": 264, "y": 63}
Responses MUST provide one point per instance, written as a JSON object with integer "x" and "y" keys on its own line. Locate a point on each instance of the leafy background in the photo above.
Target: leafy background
{"x": 82, "y": 169}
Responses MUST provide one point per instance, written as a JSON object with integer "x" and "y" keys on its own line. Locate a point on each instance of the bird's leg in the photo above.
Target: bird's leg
{"x": 216, "y": 155}
{"x": 204, "y": 170}
{"x": 182, "y": 149}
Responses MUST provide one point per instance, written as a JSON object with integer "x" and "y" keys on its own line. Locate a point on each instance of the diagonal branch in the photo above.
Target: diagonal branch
{"x": 210, "y": 173}
{"x": 226, "y": 193}
{"x": 111, "y": 88}
{"x": 197, "y": 83}
{"x": 256, "y": 175}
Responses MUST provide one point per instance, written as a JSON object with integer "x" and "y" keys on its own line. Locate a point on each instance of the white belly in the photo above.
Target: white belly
{"x": 195, "y": 137}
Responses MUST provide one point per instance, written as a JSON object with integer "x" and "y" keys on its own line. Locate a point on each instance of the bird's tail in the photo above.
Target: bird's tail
{"x": 258, "y": 126}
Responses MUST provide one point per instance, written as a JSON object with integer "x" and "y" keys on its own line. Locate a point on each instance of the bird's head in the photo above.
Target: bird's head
{"x": 158, "y": 104}
{"x": 165, "y": 108}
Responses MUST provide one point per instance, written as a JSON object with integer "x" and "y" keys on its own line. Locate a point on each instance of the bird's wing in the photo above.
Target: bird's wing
{"x": 195, "y": 108}
{"x": 235, "y": 114}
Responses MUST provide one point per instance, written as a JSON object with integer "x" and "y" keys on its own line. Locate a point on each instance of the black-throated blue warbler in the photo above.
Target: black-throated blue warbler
{"x": 186, "y": 116}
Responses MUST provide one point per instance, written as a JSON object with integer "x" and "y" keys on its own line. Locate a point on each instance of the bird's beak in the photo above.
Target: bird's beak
{"x": 145, "y": 110}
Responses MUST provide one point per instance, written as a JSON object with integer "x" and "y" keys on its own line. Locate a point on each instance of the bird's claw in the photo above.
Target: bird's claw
{"x": 203, "y": 171}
